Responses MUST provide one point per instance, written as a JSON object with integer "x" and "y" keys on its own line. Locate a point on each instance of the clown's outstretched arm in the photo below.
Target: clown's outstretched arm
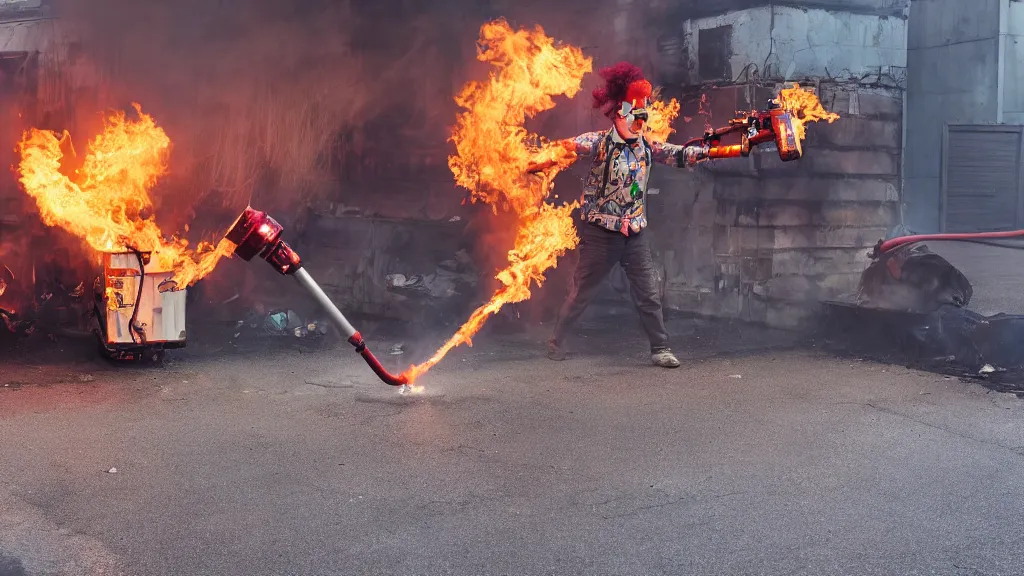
{"x": 582, "y": 145}
{"x": 585, "y": 144}
{"x": 679, "y": 156}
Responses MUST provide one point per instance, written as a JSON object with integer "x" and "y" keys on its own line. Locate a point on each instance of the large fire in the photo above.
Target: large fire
{"x": 804, "y": 106}
{"x": 660, "y": 117}
{"x": 494, "y": 150}
{"x": 105, "y": 200}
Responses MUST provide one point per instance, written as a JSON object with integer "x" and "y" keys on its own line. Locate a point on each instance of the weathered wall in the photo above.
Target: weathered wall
{"x": 758, "y": 239}
{"x": 50, "y": 75}
{"x": 953, "y": 78}
{"x": 19, "y": 40}
{"x": 797, "y": 43}
{"x": 703, "y": 8}
{"x": 1013, "y": 56}
{"x": 762, "y": 240}
{"x": 352, "y": 256}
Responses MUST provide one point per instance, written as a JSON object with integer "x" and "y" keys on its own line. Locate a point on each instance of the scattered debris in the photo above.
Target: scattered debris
{"x": 737, "y": 376}
{"x": 452, "y": 277}
{"x": 912, "y": 278}
{"x": 282, "y": 320}
{"x": 952, "y": 340}
{"x": 112, "y": 471}
{"x": 16, "y": 325}
{"x": 990, "y": 369}
{"x": 279, "y": 323}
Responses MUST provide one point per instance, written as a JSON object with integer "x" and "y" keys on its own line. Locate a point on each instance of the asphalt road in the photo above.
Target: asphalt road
{"x": 754, "y": 462}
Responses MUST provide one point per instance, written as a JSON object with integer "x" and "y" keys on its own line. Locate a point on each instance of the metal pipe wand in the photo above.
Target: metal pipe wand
{"x": 307, "y": 282}
{"x": 256, "y": 234}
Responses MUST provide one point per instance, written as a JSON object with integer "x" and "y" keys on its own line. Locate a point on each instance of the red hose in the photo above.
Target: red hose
{"x": 892, "y": 243}
{"x": 375, "y": 365}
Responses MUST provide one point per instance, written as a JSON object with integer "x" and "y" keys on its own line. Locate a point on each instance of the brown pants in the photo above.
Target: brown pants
{"x": 600, "y": 250}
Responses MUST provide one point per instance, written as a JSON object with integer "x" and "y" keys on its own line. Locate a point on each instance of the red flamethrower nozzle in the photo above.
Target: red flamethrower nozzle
{"x": 255, "y": 233}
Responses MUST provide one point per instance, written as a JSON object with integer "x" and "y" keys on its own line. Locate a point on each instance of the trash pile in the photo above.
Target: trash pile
{"x": 911, "y": 307}
{"x": 279, "y": 323}
{"x": 53, "y": 308}
{"x": 454, "y": 277}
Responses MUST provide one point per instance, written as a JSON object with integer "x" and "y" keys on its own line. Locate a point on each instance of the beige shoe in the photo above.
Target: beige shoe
{"x": 665, "y": 358}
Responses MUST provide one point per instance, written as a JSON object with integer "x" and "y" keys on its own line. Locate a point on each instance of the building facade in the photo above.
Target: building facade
{"x": 965, "y": 110}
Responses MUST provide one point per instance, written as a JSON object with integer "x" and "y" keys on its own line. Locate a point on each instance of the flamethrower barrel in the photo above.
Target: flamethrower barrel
{"x": 351, "y": 334}
{"x": 730, "y": 151}
{"x": 255, "y": 234}
{"x": 307, "y": 282}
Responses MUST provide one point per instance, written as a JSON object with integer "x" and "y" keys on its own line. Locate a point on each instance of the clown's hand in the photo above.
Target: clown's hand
{"x": 553, "y": 156}
{"x": 538, "y": 167}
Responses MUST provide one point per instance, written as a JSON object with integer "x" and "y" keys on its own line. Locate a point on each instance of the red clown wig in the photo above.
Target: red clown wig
{"x": 623, "y": 82}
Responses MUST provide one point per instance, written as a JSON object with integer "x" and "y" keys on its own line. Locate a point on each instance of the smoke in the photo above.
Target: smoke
{"x": 260, "y": 97}
{"x": 273, "y": 103}
{"x": 281, "y": 103}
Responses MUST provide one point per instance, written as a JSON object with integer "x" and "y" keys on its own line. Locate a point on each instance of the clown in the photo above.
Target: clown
{"x": 614, "y": 207}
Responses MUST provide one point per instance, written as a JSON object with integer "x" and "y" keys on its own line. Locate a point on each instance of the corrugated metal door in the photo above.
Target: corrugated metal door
{"x": 981, "y": 178}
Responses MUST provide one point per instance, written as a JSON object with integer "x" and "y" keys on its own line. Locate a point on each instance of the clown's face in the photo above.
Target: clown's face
{"x": 630, "y": 121}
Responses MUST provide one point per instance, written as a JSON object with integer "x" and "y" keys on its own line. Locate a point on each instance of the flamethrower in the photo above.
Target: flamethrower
{"x": 772, "y": 125}
{"x": 255, "y": 233}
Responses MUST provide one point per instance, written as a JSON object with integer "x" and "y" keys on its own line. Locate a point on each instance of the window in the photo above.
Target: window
{"x": 714, "y": 48}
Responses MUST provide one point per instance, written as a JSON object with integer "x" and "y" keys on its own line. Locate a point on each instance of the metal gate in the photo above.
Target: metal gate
{"x": 982, "y": 178}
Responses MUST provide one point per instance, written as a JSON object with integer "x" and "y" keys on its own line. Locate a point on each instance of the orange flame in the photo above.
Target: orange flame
{"x": 102, "y": 203}
{"x": 804, "y": 106}
{"x": 661, "y": 115}
{"x": 494, "y": 150}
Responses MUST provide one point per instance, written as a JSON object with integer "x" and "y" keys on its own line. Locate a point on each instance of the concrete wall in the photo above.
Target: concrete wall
{"x": 704, "y": 8}
{"x": 15, "y": 37}
{"x": 1013, "y": 69}
{"x": 30, "y": 35}
{"x": 352, "y": 255}
{"x": 56, "y": 78}
{"x": 757, "y": 239}
{"x": 953, "y": 68}
{"x": 764, "y": 241}
{"x": 797, "y": 43}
